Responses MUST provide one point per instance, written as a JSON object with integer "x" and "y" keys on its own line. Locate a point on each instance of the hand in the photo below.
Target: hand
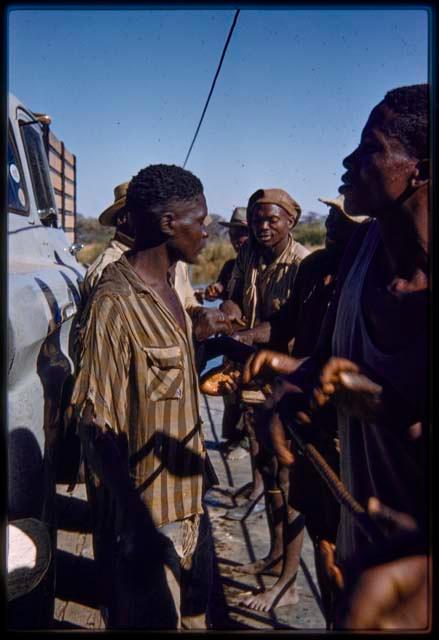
{"x": 207, "y": 322}
{"x": 342, "y": 381}
{"x": 270, "y": 360}
{"x": 393, "y": 522}
{"x": 232, "y": 311}
{"x": 394, "y": 595}
{"x": 199, "y": 295}
{"x": 333, "y": 571}
{"x": 221, "y": 380}
{"x": 233, "y": 381}
{"x": 214, "y": 291}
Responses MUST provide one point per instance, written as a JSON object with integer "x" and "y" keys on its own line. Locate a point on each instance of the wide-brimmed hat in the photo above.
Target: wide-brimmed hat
{"x": 108, "y": 217}
{"x": 238, "y": 219}
{"x": 338, "y": 203}
{"x": 275, "y": 196}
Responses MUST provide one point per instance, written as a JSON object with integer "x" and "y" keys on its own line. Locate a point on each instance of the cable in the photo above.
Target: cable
{"x": 213, "y": 85}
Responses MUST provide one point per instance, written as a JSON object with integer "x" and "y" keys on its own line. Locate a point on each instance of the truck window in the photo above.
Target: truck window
{"x": 17, "y": 196}
{"x": 39, "y": 170}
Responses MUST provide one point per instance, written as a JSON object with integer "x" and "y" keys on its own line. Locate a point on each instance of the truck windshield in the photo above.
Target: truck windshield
{"x": 39, "y": 170}
{"x": 17, "y": 198}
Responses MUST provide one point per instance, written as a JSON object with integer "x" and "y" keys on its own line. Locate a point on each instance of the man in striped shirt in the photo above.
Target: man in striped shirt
{"x": 206, "y": 322}
{"x": 136, "y": 398}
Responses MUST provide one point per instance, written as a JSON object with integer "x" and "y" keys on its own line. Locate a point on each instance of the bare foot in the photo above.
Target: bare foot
{"x": 249, "y": 492}
{"x": 271, "y": 598}
{"x": 269, "y": 566}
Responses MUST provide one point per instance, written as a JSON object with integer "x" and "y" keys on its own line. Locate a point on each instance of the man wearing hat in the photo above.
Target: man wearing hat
{"x": 300, "y": 320}
{"x": 238, "y": 234}
{"x": 261, "y": 283}
{"x": 265, "y": 269}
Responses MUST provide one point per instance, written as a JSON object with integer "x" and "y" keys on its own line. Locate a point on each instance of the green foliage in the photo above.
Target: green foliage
{"x": 310, "y": 230}
{"x": 90, "y": 252}
{"x": 94, "y": 236}
{"x": 210, "y": 262}
{"x": 90, "y": 231}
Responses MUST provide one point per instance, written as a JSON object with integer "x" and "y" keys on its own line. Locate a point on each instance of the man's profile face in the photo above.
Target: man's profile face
{"x": 189, "y": 230}
{"x": 270, "y": 224}
{"x": 379, "y": 170}
{"x": 238, "y": 236}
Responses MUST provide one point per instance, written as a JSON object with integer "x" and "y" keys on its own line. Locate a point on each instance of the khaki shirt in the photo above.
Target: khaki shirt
{"x": 118, "y": 245}
{"x": 137, "y": 368}
{"x": 264, "y": 287}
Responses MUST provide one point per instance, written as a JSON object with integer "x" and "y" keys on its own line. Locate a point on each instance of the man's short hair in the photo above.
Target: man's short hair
{"x": 158, "y": 184}
{"x": 411, "y": 104}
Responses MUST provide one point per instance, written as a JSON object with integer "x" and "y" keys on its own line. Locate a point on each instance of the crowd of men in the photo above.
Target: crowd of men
{"x": 339, "y": 337}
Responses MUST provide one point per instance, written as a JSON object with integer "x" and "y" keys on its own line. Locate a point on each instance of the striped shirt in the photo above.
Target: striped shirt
{"x": 136, "y": 367}
{"x": 263, "y": 288}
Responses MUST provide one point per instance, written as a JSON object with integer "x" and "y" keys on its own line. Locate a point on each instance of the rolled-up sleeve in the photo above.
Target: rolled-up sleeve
{"x": 103, "y": 372}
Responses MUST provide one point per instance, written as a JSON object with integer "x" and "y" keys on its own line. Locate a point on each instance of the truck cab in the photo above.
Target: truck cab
{"x": 43, "y": 297}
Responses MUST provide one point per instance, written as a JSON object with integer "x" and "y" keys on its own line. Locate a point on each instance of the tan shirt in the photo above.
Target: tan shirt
{"x": 265, "y": 287}
{"x": 137, "y": 367}
{"x": 118, "y": 245}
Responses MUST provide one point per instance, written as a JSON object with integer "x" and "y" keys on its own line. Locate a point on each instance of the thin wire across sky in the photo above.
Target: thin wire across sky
{"x": 213, "y": 84}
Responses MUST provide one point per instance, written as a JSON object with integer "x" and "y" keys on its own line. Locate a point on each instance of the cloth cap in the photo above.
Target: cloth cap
{"x": 275, "y": 196}
{"x": 338, "y": 203}
{"x": 238, "y": 219}
{"x": 108, "y": 217}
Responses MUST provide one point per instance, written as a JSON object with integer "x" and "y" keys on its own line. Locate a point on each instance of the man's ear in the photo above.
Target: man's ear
{"x": 421, "y": 174}
{"x": 167, "y": 223}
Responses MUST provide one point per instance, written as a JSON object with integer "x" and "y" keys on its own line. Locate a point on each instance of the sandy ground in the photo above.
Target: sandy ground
{"x": 77, "y": 586}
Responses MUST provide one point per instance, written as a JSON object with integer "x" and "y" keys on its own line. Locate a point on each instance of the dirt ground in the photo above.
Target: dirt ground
{"x": 235, "y": 542}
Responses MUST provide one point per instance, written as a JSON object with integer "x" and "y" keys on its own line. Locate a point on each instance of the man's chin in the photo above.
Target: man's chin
{"x": 352, "y": 207}
{"x": 191, "y": 259}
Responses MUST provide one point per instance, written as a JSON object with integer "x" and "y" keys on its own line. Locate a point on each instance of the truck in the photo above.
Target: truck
{"x": 43, "y": 298}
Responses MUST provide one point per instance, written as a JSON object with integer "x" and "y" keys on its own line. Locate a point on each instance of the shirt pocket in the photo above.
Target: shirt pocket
{"x": 164, "y": 378}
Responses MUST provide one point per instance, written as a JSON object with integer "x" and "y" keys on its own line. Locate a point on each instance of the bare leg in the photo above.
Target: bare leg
{"x": 258, "y": 482}
{"x": 284, "y": 591}
{"x": 276, "y": 516}
{"x": 257, "y": 487}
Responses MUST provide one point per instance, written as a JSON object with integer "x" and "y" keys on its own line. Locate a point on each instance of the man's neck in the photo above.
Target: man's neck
{"x": 405, "y": 238}
{"x": 121, "y": 237}
{"x": 152, "y": 265}
{"x": 270, "y": 254}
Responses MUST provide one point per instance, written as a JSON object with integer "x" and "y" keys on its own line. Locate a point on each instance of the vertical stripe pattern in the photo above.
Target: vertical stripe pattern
{"x": 137, "y": 367}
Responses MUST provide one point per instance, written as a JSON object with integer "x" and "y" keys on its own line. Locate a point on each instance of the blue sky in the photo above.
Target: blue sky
{"x": 126, "y": 88}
